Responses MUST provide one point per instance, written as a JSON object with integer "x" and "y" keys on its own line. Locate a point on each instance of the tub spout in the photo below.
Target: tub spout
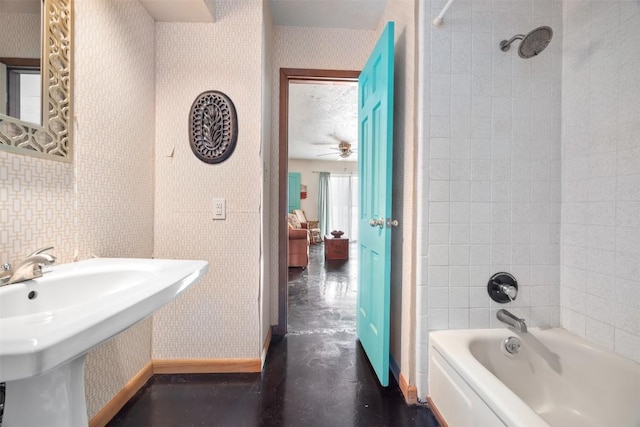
{"x": 515, "y": 322}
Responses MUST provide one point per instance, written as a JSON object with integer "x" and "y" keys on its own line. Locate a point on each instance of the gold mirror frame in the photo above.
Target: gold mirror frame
{"x": 53, "y": 139}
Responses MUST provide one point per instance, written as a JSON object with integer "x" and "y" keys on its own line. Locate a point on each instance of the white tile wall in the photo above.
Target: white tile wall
{"x": 601, "y": 174}
{"x": 490, "y": 171}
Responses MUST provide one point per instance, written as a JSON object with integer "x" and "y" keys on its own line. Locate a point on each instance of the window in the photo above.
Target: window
{"x": 22, "y": 89}
{"x": 343, "y": 205}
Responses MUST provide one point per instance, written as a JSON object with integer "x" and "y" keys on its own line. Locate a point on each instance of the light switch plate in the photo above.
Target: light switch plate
{"x": 219, "y": 208}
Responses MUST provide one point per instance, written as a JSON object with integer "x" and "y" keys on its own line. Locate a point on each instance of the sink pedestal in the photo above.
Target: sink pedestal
{"x": 48, "y": 324}
{"x": 55, "y": 399}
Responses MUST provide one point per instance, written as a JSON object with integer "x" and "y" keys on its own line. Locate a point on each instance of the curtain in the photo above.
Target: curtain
{"x": 323, "y": 203}
{"x": 343, "y": 205}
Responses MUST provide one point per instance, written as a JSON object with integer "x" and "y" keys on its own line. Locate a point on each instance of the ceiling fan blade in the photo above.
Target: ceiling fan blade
{"x": 326, "y": 154}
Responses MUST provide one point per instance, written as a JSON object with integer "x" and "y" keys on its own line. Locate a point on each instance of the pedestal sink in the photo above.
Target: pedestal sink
{"x": 47, "y": 326}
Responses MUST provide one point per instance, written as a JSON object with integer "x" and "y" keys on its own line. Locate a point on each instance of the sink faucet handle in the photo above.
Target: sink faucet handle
{"x": 41, "y": 250}
{"x": 6, "y": 267}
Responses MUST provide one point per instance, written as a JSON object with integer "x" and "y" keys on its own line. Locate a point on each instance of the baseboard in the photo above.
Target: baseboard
{"x": 206, "y": 366}
{"x": 436, "y": 413}
{"x": 265, "y": 348}
{"x": 410, "y": 392}
{"x": 119, "y": 400}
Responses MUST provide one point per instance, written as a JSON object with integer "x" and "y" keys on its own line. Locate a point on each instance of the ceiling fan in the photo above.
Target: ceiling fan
{"x": 343, "y": 150}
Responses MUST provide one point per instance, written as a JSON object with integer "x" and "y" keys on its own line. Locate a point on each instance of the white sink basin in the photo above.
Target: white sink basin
{"x": 50, "y": 321}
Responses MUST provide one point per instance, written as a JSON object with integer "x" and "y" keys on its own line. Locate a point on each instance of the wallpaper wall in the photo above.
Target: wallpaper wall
{"x": 315, "y": 48}
{"x": 266, "y": 260}
{"x": 37, "y": 207}
{"x": 102, "y": 204}
{"x": 114, "y": 61}
{"x": 601, "y": 173}
{"x": 489, "y": 168}
{"x": 219, "y": 316}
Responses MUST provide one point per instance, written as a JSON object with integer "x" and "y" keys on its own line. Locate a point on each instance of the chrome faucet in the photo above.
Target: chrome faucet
{"x": 516, "y": 323}
{"x": 29, "y": 268}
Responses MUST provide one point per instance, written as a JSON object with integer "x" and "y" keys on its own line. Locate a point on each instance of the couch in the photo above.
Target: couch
{"x": 298, "y": 245}
{"x": 313, "y": 226}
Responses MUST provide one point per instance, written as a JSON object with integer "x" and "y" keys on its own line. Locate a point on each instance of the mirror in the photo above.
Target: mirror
{"x": 52, "y": 139}
{"x": 21, "y": 89}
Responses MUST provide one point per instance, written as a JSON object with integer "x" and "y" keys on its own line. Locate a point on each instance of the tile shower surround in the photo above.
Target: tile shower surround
{"x": 488, "y": 168}
{"x": 601, "y": 173}
{"x": 556, "y": 204}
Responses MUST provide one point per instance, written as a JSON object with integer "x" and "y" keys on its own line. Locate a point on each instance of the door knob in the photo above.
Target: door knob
{"x": 376, "y": 222}
{"x": 392, "y": 222}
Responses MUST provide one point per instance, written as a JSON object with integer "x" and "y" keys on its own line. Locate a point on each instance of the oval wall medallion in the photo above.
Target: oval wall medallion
{"x": 213, "y": 127}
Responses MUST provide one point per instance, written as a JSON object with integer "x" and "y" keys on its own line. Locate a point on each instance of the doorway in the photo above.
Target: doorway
{"x": 288, "y": 77}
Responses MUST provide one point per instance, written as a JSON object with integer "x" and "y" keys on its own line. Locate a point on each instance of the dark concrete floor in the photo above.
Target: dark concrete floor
{"x": 317, "y": 375}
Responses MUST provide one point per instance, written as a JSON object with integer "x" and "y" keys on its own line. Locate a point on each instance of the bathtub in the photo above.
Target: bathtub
{"x": 557, "y": 379}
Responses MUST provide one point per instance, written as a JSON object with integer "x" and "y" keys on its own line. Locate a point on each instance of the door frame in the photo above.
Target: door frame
{"x": 297, "y": 75}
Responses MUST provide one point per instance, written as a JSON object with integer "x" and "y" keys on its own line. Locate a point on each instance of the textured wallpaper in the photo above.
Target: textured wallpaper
{"x": 114, "y": 140}
{"x": 37, "y": 207}
{"x": 316, "y": 48}
{"x": 114, "y": 167}
{"x": 37, "y": 197}
{"x": 219, "y": 316}
{"x": 103, "y": 203}
{"x": 265, "y": 150}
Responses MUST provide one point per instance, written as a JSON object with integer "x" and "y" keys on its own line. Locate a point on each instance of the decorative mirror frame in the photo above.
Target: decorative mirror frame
{"x": 53, "y": 140}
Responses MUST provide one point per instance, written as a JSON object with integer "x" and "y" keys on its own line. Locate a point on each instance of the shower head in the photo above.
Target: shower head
{"x": 532, "y": 44}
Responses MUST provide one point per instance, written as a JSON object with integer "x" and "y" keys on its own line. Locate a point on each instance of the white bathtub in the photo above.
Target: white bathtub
{"x": 558, "y": 379}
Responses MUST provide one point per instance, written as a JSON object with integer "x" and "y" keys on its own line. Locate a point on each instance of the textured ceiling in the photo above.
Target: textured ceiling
{"x": 320, "y": 117}
{"x": 180, "y": 10}
{"x": 323, "y": 115}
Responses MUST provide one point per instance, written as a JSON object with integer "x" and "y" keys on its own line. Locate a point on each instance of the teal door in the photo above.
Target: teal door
{"x": 375, "y": 117}
{"x": 294, "y": 191}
